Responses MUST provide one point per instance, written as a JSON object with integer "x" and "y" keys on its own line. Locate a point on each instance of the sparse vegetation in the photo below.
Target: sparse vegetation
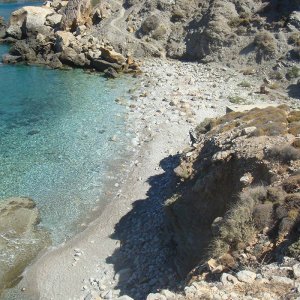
{"x": 284, "y": 153}
{"x": 245, "y": 84}
{"x": 238, "y": 226}
{"x": 265, "y": 44}
{"x": 294, "y": 72}
{"x": 274, "y": 86}
{"x": 236, "y": 99}
{"x": 276, "y": 75}
{"x": 294, "y": 249}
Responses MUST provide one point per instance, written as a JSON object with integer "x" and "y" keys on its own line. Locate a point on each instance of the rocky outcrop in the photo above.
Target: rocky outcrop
{"x": 29, "y": 20}
{"x": 20, "y": 238}
{"x": 40, "y": 40}
{"x": 2, "y": 28}
{"x": 76, "y": 13}
{"x": 239, "y": 190}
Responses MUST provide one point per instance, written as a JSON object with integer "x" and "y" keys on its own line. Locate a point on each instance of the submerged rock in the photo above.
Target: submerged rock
{"x": 20, "y": 238}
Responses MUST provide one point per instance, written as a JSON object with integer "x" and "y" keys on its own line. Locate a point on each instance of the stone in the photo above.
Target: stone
{"x": 102, "y": 65}
{"x": 112, "y": 56}
{"x": 246, "y": 276}
{"x": 107, "y": 295}
{"x": 92, "y": 295}
{"x": 221, "y": 156}
{"x": 228, "y": 279}
{"x": 156, "y": 296}
{"x": 55, "y": 63}
{"x": 63, "y": 40}
{"x": 243, "y": 108}
{"x": 168, "y": 294}
{"x": 294, "y": 19}
{"x": 11, "y": 59}
{"x": 23, "y": 49}
{"x": 111, "y": 73}
{"x": 124, "y": 297}
{"x": 70, "y": 57}
{"x": 282, "y": 280}
{"x": 296, "y": 270}
{"x": 53, "y": 20}
{"x": 18, "y": 220}
{"x": 76, "y": 13}
{"x": 248, "y": 130}
{"x": 123, "y": 275}
{"x": 29, "y": 20}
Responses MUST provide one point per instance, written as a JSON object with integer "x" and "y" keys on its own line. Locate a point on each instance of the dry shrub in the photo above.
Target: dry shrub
{"x": 206, "y": 125}
{"x": 265, "y": 44}
{"x": 292, "y": 184}
{"x": 284, "y": 153}
{"x": 294, "y": 128}
{"x": 294, "y": 249}
{"x": 238, "y": 226}
{"x": 294, "y": 39}
{"x": 293, "y": 72}
{"x": 270, "y": 121}
{"x": 159, "y": 32}
{"x": 275, "y": 75}
{"x": 275, "y": 194}
{"x": 150, "y": 24}
{"x": 262, "y": 215}
{"x": 236, "y": 99}
{"x": 294, "y": 116}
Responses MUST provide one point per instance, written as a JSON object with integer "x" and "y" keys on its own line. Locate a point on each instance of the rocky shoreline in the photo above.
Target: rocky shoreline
{"x": 38, "y": 37}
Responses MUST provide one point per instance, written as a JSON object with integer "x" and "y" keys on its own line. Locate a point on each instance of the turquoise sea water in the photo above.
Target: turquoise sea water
{"x": 55, "y": 128}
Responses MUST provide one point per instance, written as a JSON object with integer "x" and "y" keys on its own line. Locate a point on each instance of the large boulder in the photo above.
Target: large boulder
{"x": 102, "y": 65}
{"x": 53, "y": 20}
{"x": 11, "y": 59}
{"x": 63, "y": 40}
{"x": 77, "y": 12}
{"x": 70, "y": 57}
{"x": 29, "y": 20}
{"x": 112, "y": 56}
{"x": 21, "y": 239}
{"x": 24, "y": 50}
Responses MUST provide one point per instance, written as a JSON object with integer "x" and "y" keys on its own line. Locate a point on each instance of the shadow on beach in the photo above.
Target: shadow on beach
{"x": 144, "y": 260}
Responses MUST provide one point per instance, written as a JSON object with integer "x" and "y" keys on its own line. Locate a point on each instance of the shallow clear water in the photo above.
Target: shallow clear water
{"x": 7, "y": 7}
{"x": 55, "y": 128}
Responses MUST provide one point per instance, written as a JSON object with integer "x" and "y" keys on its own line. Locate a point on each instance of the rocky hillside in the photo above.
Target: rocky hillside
{"x": 235, "y": 212}
{"x": 242, "y": 33}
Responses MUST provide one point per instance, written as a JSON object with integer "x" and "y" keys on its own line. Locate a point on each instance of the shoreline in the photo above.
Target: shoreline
{"x": 174, "y": 97}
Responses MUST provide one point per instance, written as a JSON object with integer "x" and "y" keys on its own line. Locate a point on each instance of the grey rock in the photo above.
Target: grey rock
{"x": 281, "y": 279}
{"x": 70, "y": 57}
{"x": 294, "y": 19}
{"x": 53, "y": 20}
{"x": 296, "y": 270}
{"x": 228, "y": 279}
{"x": 246, "y": 276}
{"x": 124, "y": 297}
{"x": 102, "y": 65}
{"x": 156, "y": 296}
{"x": 11, "y": 59}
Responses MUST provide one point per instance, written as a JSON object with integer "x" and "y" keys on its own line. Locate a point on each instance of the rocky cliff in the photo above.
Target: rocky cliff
{"x": 236, "y": 207}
